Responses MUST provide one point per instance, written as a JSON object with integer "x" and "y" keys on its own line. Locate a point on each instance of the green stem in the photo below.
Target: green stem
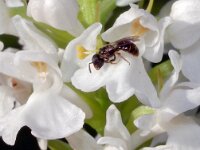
{"x": 150, "y": 6}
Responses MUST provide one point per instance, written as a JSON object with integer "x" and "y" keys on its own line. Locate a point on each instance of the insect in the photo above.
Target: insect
{"x": 108, "y": 53}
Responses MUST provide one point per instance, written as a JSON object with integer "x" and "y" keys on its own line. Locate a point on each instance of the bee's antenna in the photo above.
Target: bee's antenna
{"x": 89, "y": 67}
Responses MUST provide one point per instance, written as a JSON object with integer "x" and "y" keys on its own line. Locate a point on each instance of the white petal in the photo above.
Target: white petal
{"x": 181, "y": 100}
{"x": 81, "y": 140}
{"x": 75, "y": 99}
{"x": 128, "y": 80}
{"x": 42, "y": 144}
{"x": 184, "y": 31}
{"x": 4, "y": 17}
{"x": 112, "y": 143}
{"x": 10, "y": 125}
{"x": 29, "y": 56}
{"x": 32, "y": 38}
{"x": 7, "y": 66}
{"x": 187, "y": 11}
{"x": 87, "y": 39}
{"x": 191, "y": 62}
{"x": 86, "y": 81}
{"x": 182, "y": 35}
{"x": 177, "y": 64}
{"x": 14, "y": 3}
{"x": 137, "y": 139}
{"x": 161, "y": 147}
{"x": 59, "y": 14}
{"x": 114, "y": 126}
{"x": 159, "y": 139}
{"x": 184, "y": 134}
{"x": 125, "y": 2}
{"x": 146, "y": 122}
{"x": 7, "y": 100}
{"x": 62, "y": 117}
{"x": 123, "y": 25}
{"x": 155, "y": 53}
{"x": 1, "y": 46}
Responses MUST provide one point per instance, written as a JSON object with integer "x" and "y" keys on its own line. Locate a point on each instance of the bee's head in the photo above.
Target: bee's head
{"x": 97, "y": 61}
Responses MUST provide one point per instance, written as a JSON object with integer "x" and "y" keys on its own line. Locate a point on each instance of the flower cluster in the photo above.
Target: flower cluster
{"x": 70, "y": 64}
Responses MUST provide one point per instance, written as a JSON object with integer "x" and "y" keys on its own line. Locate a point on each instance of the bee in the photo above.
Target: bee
{"x": 109, "y": 52}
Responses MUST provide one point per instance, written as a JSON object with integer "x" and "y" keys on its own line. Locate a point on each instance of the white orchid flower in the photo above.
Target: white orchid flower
{"x": 175, "y": 100}
{"x": 138, "y": 22}
{"x": 60, "y": 14}
{"x": 121, "y": 80}
{"x": 34, "y": 39}
{"x": 47, "y": 112}
{"x": 116, "y": 136}
{"x": 125, "y": 2}
{"x": 184, "y": 35}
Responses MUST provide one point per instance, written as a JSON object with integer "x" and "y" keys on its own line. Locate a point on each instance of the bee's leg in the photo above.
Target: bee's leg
{"x": 89, "y": 67}
{"x": 123, "y": 58}
{"x": 112, "y": 60}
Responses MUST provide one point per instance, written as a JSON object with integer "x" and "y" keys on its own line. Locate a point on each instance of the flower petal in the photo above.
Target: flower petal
{"x": 191, "y": 62}
{"x": 155, "y": 53}
{"x": 125, "y": 2}
{"x": 81, "y": 140}
{"x": 75, "y": 99}
{"x": 62, "y": 117}
{"x": 4, "y": 17}
{"x": 32, "y": 38}
{"x": 7, "y": 100}
{"x": 16, "y": 3}
{"x": 128, "y": 80}
{"x": 177, "y": 64}
{"x": 112, "y": 143}
{"x": 184, "y": 30}
{"x": 10, "y": 125}
{"x": 1, "y": 46}
{"x": 181, "y": 100}
{"x": 114, "y": 126}
{"x": 88, "y": 40}
{"x": 184, "y": 134}
{"x": 123, "y": 26}
{"x": 59, "y": 14}
{"x": 161, "y": 147}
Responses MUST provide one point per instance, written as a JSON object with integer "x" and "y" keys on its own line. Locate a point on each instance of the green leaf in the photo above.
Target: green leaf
{"x": 160, "y": 73}
{"x": 98, "y": 101}
{"x": 89, "y": 12}
{"x": 58, "y": 145}
{"x": 106, "y": 9}
{"x": 60, "y": 37}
